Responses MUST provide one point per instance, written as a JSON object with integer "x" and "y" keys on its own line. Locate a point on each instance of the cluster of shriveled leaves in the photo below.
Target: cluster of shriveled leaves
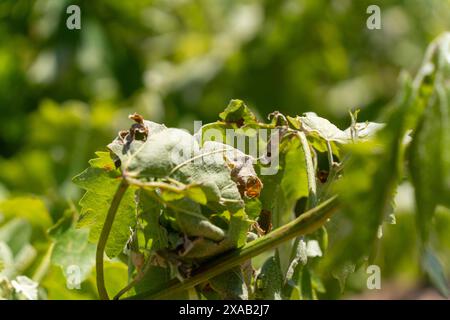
{"x": 191, "y": 198}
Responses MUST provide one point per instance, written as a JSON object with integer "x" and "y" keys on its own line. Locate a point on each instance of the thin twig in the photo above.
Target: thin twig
{"x": 106, "y": 229}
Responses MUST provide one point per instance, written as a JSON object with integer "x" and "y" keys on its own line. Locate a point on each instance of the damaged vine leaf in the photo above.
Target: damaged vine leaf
{"x": 175, "y": 157}
{"x": 180, "y": 186}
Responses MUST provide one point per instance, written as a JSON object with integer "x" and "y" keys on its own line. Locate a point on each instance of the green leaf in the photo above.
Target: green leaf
{"x": 342, "y": 272}
{"x": 430, "y": 144}
{"x": 427, "y": 148}
{"x": 269, "y": 281}
{"x": 202, "y": 248}
{"x": 238, "y": 228}
{"x": 182, "y": 176}
{"x": 289, "y": 185}
{"x": 7, "y": 258}
{"x": 301, "y": 256}
{"x": 294, "y": 183}
{"x": 101, "y": 184}
{"x": 116, "y": 276}
{"x": 236, "y": 236}
{"x": 238, "y": 113}
{"x": 55, "y": 285}
{"x": 368, "y": 185}
{"x": 298, "y": 282}
{"x": 153, "y": 278}
{"x": 306, "y": 287}
{"x": 430, "y": 149}
{"x": 230, "y": 285}
{"x": 156, "y": 156}
{"x": 149, "y": 211}
{"x": 436, "y": 273}
{"x": 16, "y": 234}
{"x": 253, "y": 208}
{"x": 190, "y": 221}
{"x": 30, "y": 208}
{"x": 215, "y": 176}
{"x": 73, "y": 250}
{"x": 63, "y": 224}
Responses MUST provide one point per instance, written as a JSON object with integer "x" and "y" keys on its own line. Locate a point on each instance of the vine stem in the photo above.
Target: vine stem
{"x": 106, "y": 229}
{"x": 306, "y": 223}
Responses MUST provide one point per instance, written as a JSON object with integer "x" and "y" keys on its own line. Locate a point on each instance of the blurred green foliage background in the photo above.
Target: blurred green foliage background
{"x": 65, "y": 93}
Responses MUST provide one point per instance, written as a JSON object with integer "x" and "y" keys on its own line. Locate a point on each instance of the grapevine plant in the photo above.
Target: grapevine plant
{"x": 189, "y": 213}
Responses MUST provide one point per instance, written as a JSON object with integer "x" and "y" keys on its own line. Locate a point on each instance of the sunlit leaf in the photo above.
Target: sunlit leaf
{"x": 101, "y": 184}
